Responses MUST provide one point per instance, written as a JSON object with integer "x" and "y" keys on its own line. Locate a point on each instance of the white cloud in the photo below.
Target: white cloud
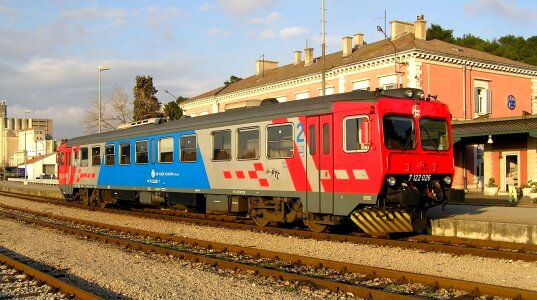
{"x": 218, "y": 32}
{"x": 270, "y": 19}
{"x": 158, "y": 20}
{"x": 292, "y": 32}
{"x": 206, "y": 6}
{"x": 239, "y": 8}
{"x": 506, "y": 9}
{"x": 267, "y": 34}
{"x": 94, "y": 13}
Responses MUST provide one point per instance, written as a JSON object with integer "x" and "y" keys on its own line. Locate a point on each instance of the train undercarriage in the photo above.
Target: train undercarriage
{"x": 401, "y": 210}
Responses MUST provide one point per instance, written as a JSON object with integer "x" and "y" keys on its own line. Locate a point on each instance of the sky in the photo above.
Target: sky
{"x": 50, "y": 51}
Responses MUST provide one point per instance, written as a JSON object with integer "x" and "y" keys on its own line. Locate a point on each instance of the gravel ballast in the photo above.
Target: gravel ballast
{"x": 518, "y": 274}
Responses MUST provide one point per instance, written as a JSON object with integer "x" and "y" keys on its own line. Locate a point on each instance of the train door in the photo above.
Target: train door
{"x": 64, "y": 168}
{"x": 319, "y": 164}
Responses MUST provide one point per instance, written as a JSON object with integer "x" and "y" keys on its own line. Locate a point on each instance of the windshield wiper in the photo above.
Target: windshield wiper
{"x": 430, "y": 139}
{"x": 408, "y": 141}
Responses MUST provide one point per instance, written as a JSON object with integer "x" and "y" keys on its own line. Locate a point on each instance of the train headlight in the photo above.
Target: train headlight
{"x": 391, "y": 180}
{"x": 447, "y": 180}
{"x": 420, "y": 94}
{"x": 409, "y": 93}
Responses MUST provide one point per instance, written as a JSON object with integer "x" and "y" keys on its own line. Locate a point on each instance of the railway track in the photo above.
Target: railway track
{"x": 428, "y": 243}
{"x": 332, "y": 275}
{"x": 19, "y": 280}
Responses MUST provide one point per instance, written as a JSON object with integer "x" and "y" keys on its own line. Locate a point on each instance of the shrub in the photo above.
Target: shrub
{"x": 491, "y": 183}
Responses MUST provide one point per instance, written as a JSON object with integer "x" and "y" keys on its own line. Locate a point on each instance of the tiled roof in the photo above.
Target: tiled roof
{"x": 495, "y": 126}
{"x": 361, "y": 54}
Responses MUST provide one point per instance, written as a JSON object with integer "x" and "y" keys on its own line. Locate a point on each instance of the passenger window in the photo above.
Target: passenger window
{"x": 124, "y": 154}
{"x": 109, "y": 155}
{"x": 84, "y": 157}
{"x": 326, "y": 139}
{"x": 188, "y": 145}
{"x": 280, "y": 141}
{"x": 312, "y": 144}
{"x": 248, "y": 143}
{"x": 165, "y": 150}
{"x": 352, "y": 133}
{"x": 142, "y": 155}
{"x": 96, "y": 156}
{"x": 222, "y": 145}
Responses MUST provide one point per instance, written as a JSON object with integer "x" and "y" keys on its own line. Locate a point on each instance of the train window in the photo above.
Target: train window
{"x": 96, "y": 156}
{"x": 84, "y": 157}
{"x": 125, "y": 153}
{"x": 434, "y": 134}
{"x": 248, "y": 143}
{"x": 399, "y": 132}
{"x": 280, "y": 141}
{"x": 60, "y": 158}
{"x": 142, "y": 154}
{"x": 165, "y": 150}
{"x": 221, "y": 145}
{"x": 312, "y": 145}
{"x": 353, "y": 133}
{"x": 188, "y": 148}
{"x": 109, "y": 155}
{"x": 326, "y": 139}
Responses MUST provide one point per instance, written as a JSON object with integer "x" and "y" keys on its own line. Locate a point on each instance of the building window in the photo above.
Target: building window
{"x": 482, "y": 100}
{"x": 280, "y": 141}
{"x": 221, "y": 145}
{"x": 96, "y": 156}
{"x": 142, "y": 152}
{"x": 302, "y": 95}
{"x": 388, "y": 82}
{"x": 281, "y": 99}
{"x": 361, "y": 85}
{"x": 84, "y": 157}
{"x": 109, "y": 155}
{"x": 188, "y": 145}
{"x": 248, "y": 143}
{"x": 352, "y": 131}
{"x": 165, "y": 150}
{"x": 327, "y": 91}
{"x": 124, "y": 154}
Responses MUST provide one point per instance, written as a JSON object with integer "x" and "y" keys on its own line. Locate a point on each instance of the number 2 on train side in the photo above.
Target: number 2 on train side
{"x": 300, "y": 128}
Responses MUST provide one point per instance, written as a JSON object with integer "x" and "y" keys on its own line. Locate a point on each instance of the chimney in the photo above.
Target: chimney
{"x": 420, "y": 28}
{"x": 308, "y": 56}
{"x": 298, "y": 57}
{"x": 347, "y": 45}
{"x": 264, "y": 65}
{"x": 399, "y": 28}
{"x": 359, "y": 39}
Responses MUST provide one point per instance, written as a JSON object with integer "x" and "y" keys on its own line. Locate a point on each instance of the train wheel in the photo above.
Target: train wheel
{"x": 314, "y": 226}
{"x": 259, "y": 218}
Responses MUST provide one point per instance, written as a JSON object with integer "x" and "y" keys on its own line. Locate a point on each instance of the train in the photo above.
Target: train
{"x": 379, "y": 159}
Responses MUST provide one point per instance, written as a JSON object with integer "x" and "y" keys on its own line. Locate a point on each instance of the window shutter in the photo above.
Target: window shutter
{"x": 489, "y": 101}
{"x": 476, "y": 101}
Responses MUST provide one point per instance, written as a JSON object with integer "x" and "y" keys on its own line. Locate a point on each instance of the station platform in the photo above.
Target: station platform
{"x": 487, "y": 218}
{"x": 478, "y": 217}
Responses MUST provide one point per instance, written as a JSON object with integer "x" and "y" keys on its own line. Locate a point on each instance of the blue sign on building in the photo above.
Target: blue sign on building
{"x": 511, "y": 102}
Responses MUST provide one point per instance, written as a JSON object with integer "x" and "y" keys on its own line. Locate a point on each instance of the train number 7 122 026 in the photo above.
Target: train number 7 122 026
{"x": 419, "y": 177}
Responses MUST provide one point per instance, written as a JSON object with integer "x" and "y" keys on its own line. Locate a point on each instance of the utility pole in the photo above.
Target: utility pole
{"x": 323, "y": 46}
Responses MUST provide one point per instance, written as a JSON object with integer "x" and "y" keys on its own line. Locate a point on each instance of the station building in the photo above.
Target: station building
{"x": 493, "y": 100}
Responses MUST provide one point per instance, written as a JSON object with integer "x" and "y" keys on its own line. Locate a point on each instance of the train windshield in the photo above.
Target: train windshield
{"x": 399, "y": 132}
{"x": 434, "y": 134}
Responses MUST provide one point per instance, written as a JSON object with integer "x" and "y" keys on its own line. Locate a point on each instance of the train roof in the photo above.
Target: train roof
{"x": 266, "y": 111}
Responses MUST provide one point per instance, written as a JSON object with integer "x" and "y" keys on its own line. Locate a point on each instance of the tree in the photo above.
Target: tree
{"x": 232, "y": 79}
{"x": 172, "y": 110}
{"x": 114, "y": 112}
{"x": 146, "y": 105}
{"x": 437, "y": 32}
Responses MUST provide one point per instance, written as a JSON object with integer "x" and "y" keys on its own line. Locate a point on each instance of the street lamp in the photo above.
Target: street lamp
{"x": 25, "y": 151}
{"x": 166, "y": 91}
{"x": 101, "y": 68}
{"x": 379, "y": 29}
